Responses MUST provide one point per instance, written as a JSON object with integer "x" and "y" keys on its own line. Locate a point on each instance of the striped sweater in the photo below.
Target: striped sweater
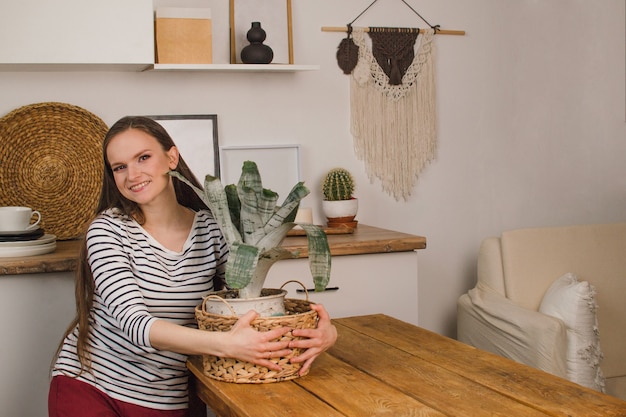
{"x": 138, "y": 281}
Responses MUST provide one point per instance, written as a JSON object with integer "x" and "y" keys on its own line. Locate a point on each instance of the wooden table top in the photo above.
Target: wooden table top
{"x": 381, "y": 366}
{"x": 364, "y": 240}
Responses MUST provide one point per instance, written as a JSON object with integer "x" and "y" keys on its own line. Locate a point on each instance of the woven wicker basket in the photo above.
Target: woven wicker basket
{"x": 51, "y": 161}
{"x": 299, "y": 316}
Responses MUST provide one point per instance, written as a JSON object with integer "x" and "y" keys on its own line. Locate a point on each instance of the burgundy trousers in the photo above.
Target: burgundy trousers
{"x": 69, "y": 397}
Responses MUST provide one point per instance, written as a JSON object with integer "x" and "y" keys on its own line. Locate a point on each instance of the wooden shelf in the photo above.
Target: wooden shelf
{"x": 140, "y": 67}
{"x": 63, "y": 67}
{"x": 233, "y": 67}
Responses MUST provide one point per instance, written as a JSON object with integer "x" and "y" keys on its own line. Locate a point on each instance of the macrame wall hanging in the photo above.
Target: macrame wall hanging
{"x": 392, "y": 100}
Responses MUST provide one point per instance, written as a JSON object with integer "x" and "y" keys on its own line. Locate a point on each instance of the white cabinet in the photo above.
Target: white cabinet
{"x": 366, "y": 284}
{"x": 80, "y": 34}
{"x": 35, "y": 309}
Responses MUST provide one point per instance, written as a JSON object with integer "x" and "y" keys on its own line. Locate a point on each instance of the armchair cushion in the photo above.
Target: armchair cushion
{"x": 533, "y": 258}
{"x": 575, "y": 304}
{"x": 494, "y": 323}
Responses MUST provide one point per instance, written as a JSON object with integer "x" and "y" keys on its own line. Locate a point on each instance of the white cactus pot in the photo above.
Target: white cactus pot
{"x": 340, "y": 208}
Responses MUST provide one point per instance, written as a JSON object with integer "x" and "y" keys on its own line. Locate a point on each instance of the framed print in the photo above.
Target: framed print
{"x": 195, "y": 136}
{"x": 275, "y": 19}
{"x": 279, "y": 165}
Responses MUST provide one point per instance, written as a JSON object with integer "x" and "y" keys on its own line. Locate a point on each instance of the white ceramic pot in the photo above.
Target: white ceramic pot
{"x": 270, "y": 303}
{"x": 340, "y": 208}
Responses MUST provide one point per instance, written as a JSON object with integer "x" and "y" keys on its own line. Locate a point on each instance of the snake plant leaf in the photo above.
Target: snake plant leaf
{"x": 297, "y": 193}
{"x": 267, "y": 204}
{"x": 250, "y": 177}
{"x": 242, "y": 261}
{"x": 265, "y": 262}
{"x": 198, "y": 191}
{"x": 214, "y": 197}
{"x": 265, "y": 198}
{"x": 234, "y": 205}
{"x": 251, "y": 219}
{"x": 273, "y": 238}
{"x": 291, "y": 217}
{"x": 218, "y": 203}
{"x": 319, "y": 250}
{"x": 319, "y": 255}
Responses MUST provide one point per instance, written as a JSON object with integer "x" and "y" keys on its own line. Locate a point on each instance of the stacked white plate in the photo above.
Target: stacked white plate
{"x": 19, "y": 243}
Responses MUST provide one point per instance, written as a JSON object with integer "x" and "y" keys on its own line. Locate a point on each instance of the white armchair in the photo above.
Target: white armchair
{"x": 501, "y": 313}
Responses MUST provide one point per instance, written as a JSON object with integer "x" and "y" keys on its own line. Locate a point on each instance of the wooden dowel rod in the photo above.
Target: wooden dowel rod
{"x": 345, "y": 29}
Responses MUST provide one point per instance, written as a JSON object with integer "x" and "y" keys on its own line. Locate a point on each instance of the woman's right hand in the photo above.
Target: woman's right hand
{"x": 245, "y": 343}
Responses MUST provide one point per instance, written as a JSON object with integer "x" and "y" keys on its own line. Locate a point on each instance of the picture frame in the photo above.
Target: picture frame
{"x": 196, "y": 137}
{"x": 275, "y": 19}
{"x": 279, "y": 165}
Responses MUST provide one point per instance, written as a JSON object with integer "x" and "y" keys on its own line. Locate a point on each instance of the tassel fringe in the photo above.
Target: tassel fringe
{"x": 394, "y": 126}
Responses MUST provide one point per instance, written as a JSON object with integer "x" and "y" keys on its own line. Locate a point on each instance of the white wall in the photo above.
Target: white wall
{"x": 531, "y": 120}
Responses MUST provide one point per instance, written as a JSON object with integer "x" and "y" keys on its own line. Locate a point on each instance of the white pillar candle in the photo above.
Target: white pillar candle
{"x": 304, "y": 215}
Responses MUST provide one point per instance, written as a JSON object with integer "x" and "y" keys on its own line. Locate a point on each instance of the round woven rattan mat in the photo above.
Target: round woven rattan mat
{"x": 51, "y": 161}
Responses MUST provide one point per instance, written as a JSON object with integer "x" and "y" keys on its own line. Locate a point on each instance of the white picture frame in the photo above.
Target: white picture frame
{"x": 196, "y": 137}
{"x": 279, "y": 165}
{"x": 275, "y": 19}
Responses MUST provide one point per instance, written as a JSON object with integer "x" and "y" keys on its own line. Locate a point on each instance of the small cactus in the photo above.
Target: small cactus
{"x": 338, "y": 185}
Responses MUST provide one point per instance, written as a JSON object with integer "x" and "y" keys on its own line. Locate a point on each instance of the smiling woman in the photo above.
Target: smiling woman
{"x": 150, "y": 254}
{"x": 138, "y": 163}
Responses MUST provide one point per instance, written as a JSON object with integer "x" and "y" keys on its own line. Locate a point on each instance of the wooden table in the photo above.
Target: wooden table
{"x": 381, "y": 366}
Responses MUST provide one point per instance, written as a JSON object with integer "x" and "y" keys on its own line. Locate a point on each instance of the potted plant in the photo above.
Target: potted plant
{"x": 339, "y": 204}
{"x": 254, "y": 227}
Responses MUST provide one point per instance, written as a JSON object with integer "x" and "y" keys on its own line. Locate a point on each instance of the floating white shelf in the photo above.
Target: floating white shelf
{"x": 139, "y": 67}
{"x": 233, "y": 67}
{"x": 62, "y": 67}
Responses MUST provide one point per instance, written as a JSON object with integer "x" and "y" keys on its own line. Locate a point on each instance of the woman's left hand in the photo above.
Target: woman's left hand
{"x": 315, "y": 341}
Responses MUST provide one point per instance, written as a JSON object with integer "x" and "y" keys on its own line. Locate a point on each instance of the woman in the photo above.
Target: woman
{"x": 150, "y": 254}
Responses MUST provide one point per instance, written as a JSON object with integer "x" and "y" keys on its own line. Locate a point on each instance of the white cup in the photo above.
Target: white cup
{"x": 18, "y": 219}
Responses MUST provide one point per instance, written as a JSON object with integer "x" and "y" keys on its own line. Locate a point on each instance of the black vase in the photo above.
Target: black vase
{"x": 256, "y": 52}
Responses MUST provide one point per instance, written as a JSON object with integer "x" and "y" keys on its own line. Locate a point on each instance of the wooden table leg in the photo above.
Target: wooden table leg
{"x": 196, "y": 407}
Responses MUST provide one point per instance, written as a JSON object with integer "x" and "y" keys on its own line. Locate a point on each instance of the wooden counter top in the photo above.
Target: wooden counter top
{"x": 63, "y": 259}
{"x": 364, "y": 240}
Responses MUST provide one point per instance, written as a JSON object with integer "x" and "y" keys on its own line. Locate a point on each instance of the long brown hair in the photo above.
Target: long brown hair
{"x": 110, "y": 197}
